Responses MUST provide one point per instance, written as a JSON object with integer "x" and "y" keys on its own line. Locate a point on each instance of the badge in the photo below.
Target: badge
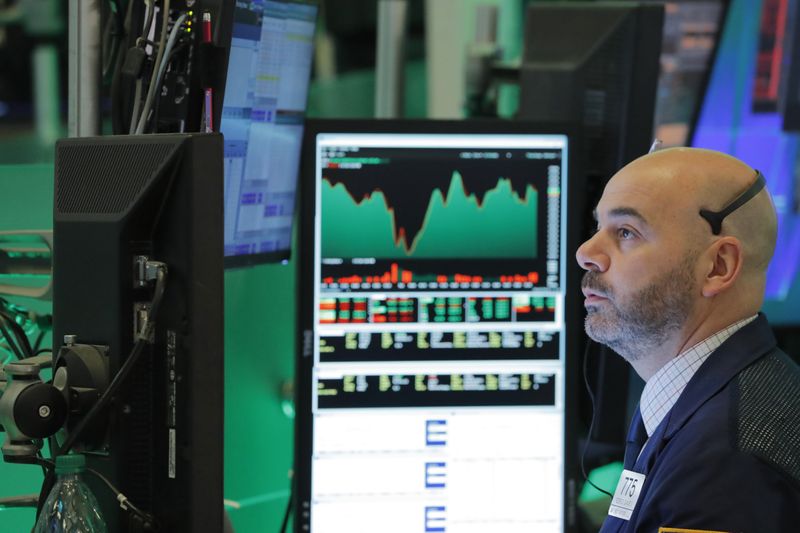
{"x": 627, "y": 494}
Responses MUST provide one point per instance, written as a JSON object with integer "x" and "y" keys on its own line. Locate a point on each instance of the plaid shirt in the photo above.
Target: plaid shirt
{"x": 663, "y": 389}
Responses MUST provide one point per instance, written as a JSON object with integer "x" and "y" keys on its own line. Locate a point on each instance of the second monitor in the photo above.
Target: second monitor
{"x": 436, "y": 338}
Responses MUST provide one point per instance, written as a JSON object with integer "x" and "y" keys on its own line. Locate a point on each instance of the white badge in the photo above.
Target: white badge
{"x": 627, "y": 494}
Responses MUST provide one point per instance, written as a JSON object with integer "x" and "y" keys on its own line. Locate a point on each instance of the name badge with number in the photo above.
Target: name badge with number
{"x": 627, "y": 494}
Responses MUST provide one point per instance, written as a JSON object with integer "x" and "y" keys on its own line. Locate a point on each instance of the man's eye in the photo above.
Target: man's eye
{"x": 625, "y": 233}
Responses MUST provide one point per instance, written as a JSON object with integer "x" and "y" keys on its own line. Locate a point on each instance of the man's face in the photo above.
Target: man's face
{"x": 641, "y": 284}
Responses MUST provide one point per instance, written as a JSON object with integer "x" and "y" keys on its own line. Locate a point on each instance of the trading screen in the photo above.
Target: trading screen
{"x": 739, "y": 118}
{"x": 437, "y": 383}
{"x": 262, "y": 121}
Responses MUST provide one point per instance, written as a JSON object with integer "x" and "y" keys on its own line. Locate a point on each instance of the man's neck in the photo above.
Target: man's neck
{"x": 692, "y": 333}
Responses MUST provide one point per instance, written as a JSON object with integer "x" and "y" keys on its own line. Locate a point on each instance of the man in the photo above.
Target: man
{"x": 675, "y": 278}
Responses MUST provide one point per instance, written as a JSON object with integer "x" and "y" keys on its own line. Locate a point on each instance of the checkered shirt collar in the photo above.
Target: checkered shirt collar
{"x": 663, "y": 389}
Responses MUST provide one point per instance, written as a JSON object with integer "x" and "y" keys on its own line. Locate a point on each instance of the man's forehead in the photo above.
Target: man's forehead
{"x": 627, "y": 199}
{"x": 622, "y": 211}
{"x": 647, "y": 199}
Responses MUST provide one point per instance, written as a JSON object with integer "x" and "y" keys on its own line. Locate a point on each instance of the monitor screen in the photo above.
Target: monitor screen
{"x": 691, "y": 33}
{"x": 432, "y": 378}
{"x": 735, "y": 120}
{"x": 262, "y": 120}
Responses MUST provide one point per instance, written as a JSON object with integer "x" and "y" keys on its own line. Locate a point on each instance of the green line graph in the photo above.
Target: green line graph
{"x": 457, "y": 224}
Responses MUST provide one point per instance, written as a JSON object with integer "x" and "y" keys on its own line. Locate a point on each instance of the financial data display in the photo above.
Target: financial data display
{"x": 437, "y": 341}
{"x": 262, "y": 121}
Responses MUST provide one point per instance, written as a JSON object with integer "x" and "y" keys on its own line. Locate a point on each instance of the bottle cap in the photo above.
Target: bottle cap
{"x": 70, "y": 464}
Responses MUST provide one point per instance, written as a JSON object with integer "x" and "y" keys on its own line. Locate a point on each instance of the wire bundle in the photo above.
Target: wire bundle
{"x": 140, "y": 61}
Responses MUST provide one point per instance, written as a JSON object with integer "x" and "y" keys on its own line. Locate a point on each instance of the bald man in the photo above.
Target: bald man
{"x": 674, "y": 281}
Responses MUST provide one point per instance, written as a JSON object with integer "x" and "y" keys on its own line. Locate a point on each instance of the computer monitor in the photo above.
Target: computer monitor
{"x": 269, "y": 67}
{"x": 733, "y": 121}
{"x": 118, "y": 198}
{"x": 596, "y": 64}
{"x": 691, "y": 34}
{"x": 435, "y": 381}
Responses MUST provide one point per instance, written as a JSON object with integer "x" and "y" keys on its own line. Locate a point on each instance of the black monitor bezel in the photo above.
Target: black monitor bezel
{"x": 305, "y": 272}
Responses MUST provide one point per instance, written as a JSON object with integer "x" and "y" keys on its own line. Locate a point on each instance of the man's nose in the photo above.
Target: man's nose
{"x": 590, "y": 255}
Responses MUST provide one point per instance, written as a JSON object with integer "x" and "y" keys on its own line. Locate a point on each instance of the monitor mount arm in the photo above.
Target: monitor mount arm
{"x": 32, "y": 410}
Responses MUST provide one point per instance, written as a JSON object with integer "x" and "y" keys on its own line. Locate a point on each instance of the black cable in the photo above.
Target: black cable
{"x": 591, "y": 424}
{"x": 126, "y": 368}
{"x": 125, "y": 503}
{"x": 9, "y": 339}
{"x": 289, "y": 505}
{"x": 119, "y": 90}
{"x": 101, "y": 403}
{"x": 180, "y": 47}
{"x": 37, "y": 343}
{"x": 19, "y": 333}
{"x": 44, "y": 463}
{"x": 7, "y": 320}
{"x": 47, "y": 486}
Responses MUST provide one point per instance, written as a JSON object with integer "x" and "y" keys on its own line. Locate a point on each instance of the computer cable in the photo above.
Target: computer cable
{"x": 21, "y": 338}
{"x": 12, "y": 346}
{"x": 139, "y": 52}
{"x": 137, "y": 100}
{"x": 173, "y": 35}
{"x": 37, "y": 349}
{"x": 288, "y": 512}
{"x": 148, "y": 520}
{"x": 589, "y": 343}
{"x": 179, "y": 48}
{"x": 151, "y": 90}
{"x": 146, "y": 116}
{"x": 15, "y": 336}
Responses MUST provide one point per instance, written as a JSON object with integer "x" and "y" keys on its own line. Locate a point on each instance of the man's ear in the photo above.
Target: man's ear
{"x": 725, "y": 265}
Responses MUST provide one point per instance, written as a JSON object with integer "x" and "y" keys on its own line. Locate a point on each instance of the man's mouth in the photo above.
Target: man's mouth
{"x": 593, "y": 296}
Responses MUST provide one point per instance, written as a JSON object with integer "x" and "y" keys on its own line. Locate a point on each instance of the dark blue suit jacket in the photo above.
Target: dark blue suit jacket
{"x": 727, "y": 456}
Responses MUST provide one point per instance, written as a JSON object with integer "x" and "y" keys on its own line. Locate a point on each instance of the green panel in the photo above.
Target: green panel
{"x": 259, "y": 361}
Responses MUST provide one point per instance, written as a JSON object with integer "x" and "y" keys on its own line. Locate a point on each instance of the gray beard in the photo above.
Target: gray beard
{"x": 641, "y": 324}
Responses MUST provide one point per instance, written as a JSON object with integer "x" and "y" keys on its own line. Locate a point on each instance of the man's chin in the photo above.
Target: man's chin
{"x": 598, "y": 330}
